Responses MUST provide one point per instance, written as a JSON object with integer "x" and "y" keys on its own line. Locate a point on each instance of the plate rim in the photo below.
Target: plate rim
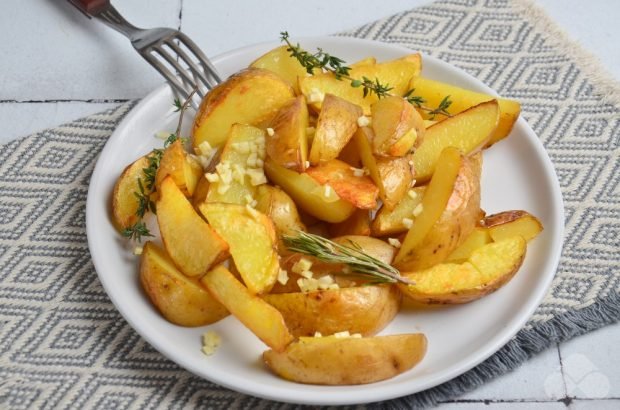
{"x": 339, "y": 398}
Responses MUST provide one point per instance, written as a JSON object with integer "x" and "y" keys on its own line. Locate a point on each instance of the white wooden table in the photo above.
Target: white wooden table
{"x": 57, "y": 66}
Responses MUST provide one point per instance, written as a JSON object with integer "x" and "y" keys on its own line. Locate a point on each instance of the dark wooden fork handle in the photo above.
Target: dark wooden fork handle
{"x": 91, "y": 7}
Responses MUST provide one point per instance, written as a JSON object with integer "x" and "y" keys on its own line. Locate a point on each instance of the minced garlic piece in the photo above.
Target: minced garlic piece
{"x": 356, "y": 335}
{"x": 301, "y": 265}
{"x": 212, "y": 177}
{"x": 248, "y": 198}
{"x": 251, "y": 161}
{"x": 327, "y": 190}
{"x": 410, "y": 163}
{"x": 316, "y": 96}
{"x": 318, "y": 334}
{"x": 308, "y": 284}
{"x": 307, "y": 164}
{"x": 223, "y": 188}
{"x": 412, "y": 194}
{"x": 253, "y": 212}
{"x": 210, "y": 342}
{"x": 283, "y": 277}
{"x": 270, "y": 132}
{"x": 138, "y": 250}
{"x": 363, "y": 121}
{"x": 341, "y": 335}
{"x": 358, "y": 172}
{"x": 238, "y": 173}
{"x": 325, "y": 282}
{"x": 257, "y": 177}
{"x": 204, "y": 148}
{"x": 407, "y": 222}
{"x": 307, "y": 274}
{"x": 394, "y": 242}
{"x": 418, "y": 210}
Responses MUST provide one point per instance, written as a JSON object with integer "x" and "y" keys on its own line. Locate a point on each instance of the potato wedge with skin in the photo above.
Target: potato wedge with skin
{"x": 308, "y": 194}
{"x": 288, "y": 146}
{"x": 257, "y": 315}
{"x": 358, "y": 190}
{"x": 350, "y": 154}
{"x": 252, "y": 96}
{"x": 124, "y": 200}
{"x": 184, "y": 170}
{"x": 486, "y": 270}
{"x": 201, "y": 191}
{"x": 397, "y": 126}
{"x": 365, "y": 310}
{"x": 347, "y": 361}
{"x": 336, "y": 125}
{"x": 512, "y": 223}
{"x": 191, "y": 243}
{"x": 181, "y": 300}
{"x": 434, "y": 91}
{"x": 357, "y": 224}
{"x": 234, "y": 163}
{"x": 476, "y": 239}
{"x": 450, "y": 211}
{"x": 279, "y": 61}
{"x": 397, "y": 73}
{"x": 391, "y": 221}
{"x": 252, "y": 240}
{"x": 397, "y": 177}
{"x": 278, "y": 206}
{"x": 468, "y": 131}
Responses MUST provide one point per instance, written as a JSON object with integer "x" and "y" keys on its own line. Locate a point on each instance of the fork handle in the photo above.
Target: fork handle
{"x": 91, "y": 7}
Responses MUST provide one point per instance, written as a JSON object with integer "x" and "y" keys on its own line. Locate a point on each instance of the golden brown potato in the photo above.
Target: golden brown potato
{"x": 398, "y": 127}
{"x": 486, "y": 270}
{"x": 191, "y": 243}
{"x": 308, "y": 194}
{"x": 201, "y": 191}
{"x": 252, "y": 96}
{"x": 394, "y": 221}
{"x": 396, "y": 177}
{"x": 397, "y": 73}
{"x": 434, "y": 91}
{"x": 365, "y": 310}
{"x": 358, "y": 190}
{"x": 512, "y": 223}
{"x": 468, "y": 131}
{"x": 183, "y": 169}
{"x": 336, "y": 125}
{"x": 350, "y": 154}
{"x": 288, "y": 146}
{"x": 277, "y": 205}
{"x": 235, "y": 156}
{"x": 357, "y": 224}
{"x": 279, "y": 61}
{"x": 450, "y": 210}
{"x": 257, "y": 315}
{"x": 346, "y": 361}
{"x": 476, "y": 239}
{"x": 124, "y": 201}
{"x": 180, "y": 299}
{"x": 252, "y": 240}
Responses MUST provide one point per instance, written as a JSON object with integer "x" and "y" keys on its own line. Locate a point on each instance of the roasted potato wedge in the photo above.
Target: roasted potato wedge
{"x": 183, "y": 169}
{"x": 201, "y": 191}
{"x": 397, "y": 73}
{"x": 434, "y": 91}
{"x": 486, "y": 270}
{"x": 357, "y": 224}
{"x": 358, "y": 190}
{"x": 181, "y": 300}
{"x": 257, "y": 315}
{"x": 512, "y": 223}
{"x": 468, "y": 131}
{"x": 365, "y": 310}
{"x": 252, "y": 96}
{"x": 279, "y": 61}
{"x": 252, "y": 240}
{"x": 278, "y": 206}
{"x": 476, "y": 239}
{"x": 450, "y": 211}
{"x": 191, "y": 243}
{"x": 308, "y": 194}
{"x": 394, "y": 221}
{"x": 124, "y": 200}
{"x": 347, "y": 361}
{"x": 336, "y": 125}
{"x": 397, "y": 126}
{"x": 288, "y": 146}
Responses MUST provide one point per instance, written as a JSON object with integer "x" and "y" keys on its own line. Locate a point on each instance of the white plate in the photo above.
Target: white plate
{"x": 517, "y": 175}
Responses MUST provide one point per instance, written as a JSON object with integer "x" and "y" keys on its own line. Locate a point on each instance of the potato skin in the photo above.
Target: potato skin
{"x": 364, "y": 310}
{"x": 347, "y": 361}
{"x": 124, "y": 201}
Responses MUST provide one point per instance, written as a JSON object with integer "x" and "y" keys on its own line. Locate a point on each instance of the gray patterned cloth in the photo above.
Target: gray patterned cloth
{"x": 64, "y": 345}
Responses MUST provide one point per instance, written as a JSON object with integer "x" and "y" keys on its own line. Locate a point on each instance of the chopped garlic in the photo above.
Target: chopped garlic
{"x": 138, "y": 250}
{"x": 223, "y": 188}
{"x": 244, "y": 147}
{"x": 204, "y": 148}
{"x": 238, "y": 173}
{"x": 251, "y": 161}
{"x": 408, "y": 223}
{"x": 283, "y": 277}
{"x": 418, "y": 209}
{"x": 212, "y": 177}
{"x": 306, "y": 274}
{"x": 333, "y": 286}
{"x": 253, "y": 203}
{"x": 318, "y": 334}
{"x": 253, "y": 212}
{"x": 394, "y": 242}
{"x": 257, "y": 177}
{"x": 307, "y": 164}
{"x": 270, "y": 132}
{"x": 248, "y": 198}
{"x": 307, "y": 284}
{"x": 301, "y": 265}
{"x": 363, "y": 121}
{"x": 358, "y": 172}
{"x": 410, "y": 163}
{"x": 356, "y": 335}
{"x": 327, "y": 190}
{"x": 341, "y": 335}
{"x": 413, "y": 182}
{"x": 325, "y": 282}
{"x": 210, "y": 342}
{"x": 412, "y": 194}
{"x": 316, "y": 96}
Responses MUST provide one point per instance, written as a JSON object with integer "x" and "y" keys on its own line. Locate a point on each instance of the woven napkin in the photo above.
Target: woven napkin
{"x": 64, "y": 345}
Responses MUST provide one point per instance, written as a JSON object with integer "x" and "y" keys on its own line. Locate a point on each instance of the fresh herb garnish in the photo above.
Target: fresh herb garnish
{"x": 136, "y": 231}
{"x": 353, "y": 256}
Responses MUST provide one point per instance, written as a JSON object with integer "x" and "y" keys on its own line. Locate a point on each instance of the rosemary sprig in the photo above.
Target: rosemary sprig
{"x": 353, "y": 256}
{"x": 136, "y": 231}
{"x": 326, "y": 62}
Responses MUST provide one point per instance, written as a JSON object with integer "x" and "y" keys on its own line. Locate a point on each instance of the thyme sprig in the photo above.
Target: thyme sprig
{"x": 353, "y": 256}
{"x": 137, "y": 231}
{"x": 327, "y": 63}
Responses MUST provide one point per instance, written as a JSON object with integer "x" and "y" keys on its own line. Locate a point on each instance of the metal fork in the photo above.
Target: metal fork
{"x": 171, "y": 52}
